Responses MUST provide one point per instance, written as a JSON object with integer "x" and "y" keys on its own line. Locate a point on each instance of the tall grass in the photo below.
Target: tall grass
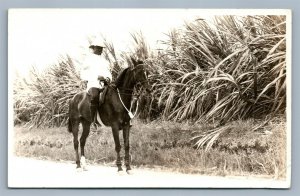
{"x": 42, "y": 100}
{"x": 231, "y": 68}
{"x": 234, "y": 68}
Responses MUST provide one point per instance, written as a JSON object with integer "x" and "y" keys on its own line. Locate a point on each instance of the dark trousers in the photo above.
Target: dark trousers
{"x": 94, "y": 93}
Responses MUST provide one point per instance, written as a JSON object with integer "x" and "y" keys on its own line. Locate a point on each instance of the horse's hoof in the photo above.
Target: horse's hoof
{"x": 83, "y": 163}
{"x": 121, "y": 173}
{"x": 79, "y": 169}
{"x": 85, "y": 168}
{"x": 130, "y": 172}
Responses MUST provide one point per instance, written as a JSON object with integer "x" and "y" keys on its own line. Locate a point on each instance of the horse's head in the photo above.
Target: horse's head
{"x": 140, "y": 75}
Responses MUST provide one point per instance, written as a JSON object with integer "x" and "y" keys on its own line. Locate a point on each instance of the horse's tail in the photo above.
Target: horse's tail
{"x": 69, "y": 121}
{"x": 70, "y": 126}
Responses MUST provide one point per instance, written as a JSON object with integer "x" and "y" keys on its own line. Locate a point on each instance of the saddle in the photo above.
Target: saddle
{"x": 102, "y": 95}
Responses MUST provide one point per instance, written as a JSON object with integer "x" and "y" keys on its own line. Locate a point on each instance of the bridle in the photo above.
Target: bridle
{"x": 137, "y": 83}
{"x": 135, "y": 97}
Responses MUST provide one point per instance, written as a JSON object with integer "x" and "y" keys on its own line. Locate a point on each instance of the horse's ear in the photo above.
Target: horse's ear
{"x": 133, "y": 61}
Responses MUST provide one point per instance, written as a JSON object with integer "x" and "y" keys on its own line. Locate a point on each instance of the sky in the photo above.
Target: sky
{"x": 38, "y": 37}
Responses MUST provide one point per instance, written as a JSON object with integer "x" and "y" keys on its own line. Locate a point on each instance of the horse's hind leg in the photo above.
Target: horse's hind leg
{"x": 115, "y": 130}
{"x": 75, "y": 130}
{"x": 85, "y": 133}
{"x": 126, "y": 130}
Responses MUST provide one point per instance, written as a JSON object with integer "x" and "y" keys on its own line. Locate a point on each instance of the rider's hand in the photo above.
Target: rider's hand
{"x": 108, "y": 80}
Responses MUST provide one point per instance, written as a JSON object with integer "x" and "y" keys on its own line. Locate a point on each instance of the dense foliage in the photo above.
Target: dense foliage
{"x": 232, "y": 68}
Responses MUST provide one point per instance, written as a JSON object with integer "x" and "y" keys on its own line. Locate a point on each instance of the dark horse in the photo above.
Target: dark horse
{"x": 112, "y": 112}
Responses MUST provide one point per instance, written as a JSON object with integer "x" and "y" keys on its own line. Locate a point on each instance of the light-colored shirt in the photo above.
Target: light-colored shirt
{"x": 94, "y": 66}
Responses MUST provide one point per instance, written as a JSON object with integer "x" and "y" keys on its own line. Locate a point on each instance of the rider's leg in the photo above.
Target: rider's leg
{"x": 94, "y": 93}
{"x": 102, "y": 95}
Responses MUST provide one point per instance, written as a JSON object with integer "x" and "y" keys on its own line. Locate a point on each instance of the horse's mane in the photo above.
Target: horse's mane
{"x": 120, "y": 78}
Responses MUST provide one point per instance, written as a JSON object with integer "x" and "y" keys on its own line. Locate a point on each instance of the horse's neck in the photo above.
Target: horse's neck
{"x": 126, "y": 90}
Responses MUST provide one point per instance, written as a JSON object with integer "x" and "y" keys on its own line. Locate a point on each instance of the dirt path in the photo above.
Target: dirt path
{"x": 26, "y": 172}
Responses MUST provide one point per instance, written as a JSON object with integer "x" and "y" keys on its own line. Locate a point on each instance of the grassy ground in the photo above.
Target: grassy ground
{"x": 167, "y": 145}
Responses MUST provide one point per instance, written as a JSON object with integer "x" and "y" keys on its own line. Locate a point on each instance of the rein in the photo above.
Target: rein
{"x": 131, "y": 115}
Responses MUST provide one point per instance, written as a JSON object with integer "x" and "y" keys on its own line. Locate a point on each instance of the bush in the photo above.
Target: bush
{"x": 233, "y": 68}
{"x": 42, "y": 100}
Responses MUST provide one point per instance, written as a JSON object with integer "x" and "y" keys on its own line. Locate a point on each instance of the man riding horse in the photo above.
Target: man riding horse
{"x": 96, "y": 72}
{"x": 115, "y": 111}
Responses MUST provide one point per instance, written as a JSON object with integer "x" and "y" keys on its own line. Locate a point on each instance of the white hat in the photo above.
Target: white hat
{"x": 98, "y": 42}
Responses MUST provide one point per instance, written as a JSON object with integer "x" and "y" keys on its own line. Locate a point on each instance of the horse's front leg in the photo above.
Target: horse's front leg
{"x": 126, "y": 131}
{"x": 115, "y": 130}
